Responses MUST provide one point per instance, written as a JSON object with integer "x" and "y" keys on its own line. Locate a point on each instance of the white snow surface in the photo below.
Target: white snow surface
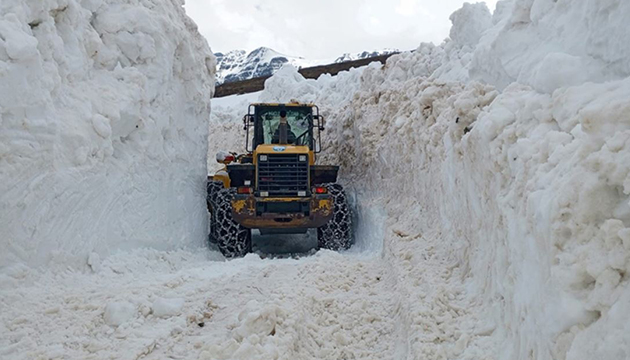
{"x": 103, "y": 129}
{"x": 119, "y": 312}
{"x": 163, "y": 307}
{"x": 492, "y": 214}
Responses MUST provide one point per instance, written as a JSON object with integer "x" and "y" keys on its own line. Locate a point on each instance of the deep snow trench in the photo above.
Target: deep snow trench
{"x": 489, "y": 176}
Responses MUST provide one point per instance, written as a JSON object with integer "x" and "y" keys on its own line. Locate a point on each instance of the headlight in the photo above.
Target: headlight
{"x": 302, "y": 157}
{"x": 263, "y": 158}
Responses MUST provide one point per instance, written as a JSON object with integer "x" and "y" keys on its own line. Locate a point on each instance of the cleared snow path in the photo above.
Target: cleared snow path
{"x": 327, "y": 305}
{"x": 404, "y": 302}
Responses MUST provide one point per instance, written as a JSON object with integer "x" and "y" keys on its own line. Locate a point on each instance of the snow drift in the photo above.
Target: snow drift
{"x": 103, "y": 109}
{"x": 505, "y": 154}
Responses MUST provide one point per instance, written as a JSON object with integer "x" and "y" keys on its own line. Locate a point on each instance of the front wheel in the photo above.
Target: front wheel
{"x": 336, "y": 234}
{"x": 233, "y": 239}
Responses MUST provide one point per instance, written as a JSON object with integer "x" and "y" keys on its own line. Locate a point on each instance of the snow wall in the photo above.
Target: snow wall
{"x": 505, "y": 152}
{"x": 103, "y": 128}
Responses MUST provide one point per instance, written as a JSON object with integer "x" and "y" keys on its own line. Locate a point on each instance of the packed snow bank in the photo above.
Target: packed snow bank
{"x": 549, "y": 44}
{"x": 529, "y": 191}
{"x": 103, "y": 132}
{"x": 546, "y": 44}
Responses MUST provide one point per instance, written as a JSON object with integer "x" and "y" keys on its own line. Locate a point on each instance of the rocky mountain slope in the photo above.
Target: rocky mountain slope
{"x": 239, "y": 65}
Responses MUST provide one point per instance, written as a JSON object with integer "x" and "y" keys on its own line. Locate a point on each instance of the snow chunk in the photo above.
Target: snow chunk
{"x": 94, "y": 262}
{"x": 117, "y": 313}
{"x": 163, "y": 307}
{"x": 101, "y": 126}
{"x": 257, "y": 320}
{"x": 469, "y": 23}
{"x": 18, "y": 44}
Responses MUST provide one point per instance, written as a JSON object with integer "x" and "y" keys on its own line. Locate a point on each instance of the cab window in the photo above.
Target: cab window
{"x": 298, "y": 121}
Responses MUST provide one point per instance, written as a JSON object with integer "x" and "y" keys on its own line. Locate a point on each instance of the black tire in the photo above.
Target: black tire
{"x": 232, "y": 239}
{"x": 336, "y": 234}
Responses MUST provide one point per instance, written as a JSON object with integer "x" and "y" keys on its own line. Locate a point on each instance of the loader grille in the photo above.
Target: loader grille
{"x": 283, "y": 175}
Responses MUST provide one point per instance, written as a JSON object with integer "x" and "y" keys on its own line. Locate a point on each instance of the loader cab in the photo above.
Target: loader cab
{"x": 304, "y": 124}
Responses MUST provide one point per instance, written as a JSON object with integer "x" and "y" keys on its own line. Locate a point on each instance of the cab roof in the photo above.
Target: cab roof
{"x": 296, "y": 104}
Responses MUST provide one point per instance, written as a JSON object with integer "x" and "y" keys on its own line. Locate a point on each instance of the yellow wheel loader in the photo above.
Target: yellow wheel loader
{"x": 276, "y": 187}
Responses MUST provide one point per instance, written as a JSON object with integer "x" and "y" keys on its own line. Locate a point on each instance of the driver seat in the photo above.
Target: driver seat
{"x": 290, "y": 136}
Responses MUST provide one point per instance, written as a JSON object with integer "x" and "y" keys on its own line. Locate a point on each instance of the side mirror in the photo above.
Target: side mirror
{"x": 248, "y": 121}
{"x": 317, "y": 135}
{"x": 321, "y": 122}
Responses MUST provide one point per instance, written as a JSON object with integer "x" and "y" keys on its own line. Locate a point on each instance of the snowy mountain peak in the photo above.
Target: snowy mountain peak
{"x": 237, "y": 65}
{"x": 364, "y": 55}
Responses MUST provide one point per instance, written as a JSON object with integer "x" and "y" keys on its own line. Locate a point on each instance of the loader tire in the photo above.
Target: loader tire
{"x": 336, "y": 234}
{"x": 232, "y": 239}
{"x": 213, "y": 188}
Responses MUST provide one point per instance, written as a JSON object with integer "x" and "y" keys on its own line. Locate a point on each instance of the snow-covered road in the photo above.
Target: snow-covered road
{"x": 195, "y": 305}
{"x": 325, "y": 305}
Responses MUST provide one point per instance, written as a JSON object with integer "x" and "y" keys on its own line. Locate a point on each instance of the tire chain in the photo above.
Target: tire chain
{"x": 336, "y": 234}
{"x": 232, "y": 239}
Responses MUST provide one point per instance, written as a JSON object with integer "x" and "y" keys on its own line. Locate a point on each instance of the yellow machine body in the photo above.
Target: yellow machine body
{"x": 253, "y": 210}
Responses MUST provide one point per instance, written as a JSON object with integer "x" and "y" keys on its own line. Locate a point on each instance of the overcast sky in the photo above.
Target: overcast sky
{"x": 321, "y": 29}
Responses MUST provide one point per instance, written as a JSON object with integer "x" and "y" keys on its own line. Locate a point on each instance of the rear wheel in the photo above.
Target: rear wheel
{"x": 336, "y": 234}
{"x": 232, "y": 239}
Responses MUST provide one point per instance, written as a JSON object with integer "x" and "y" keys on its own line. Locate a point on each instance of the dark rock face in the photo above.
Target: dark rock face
{"x": 238, "y": 65}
